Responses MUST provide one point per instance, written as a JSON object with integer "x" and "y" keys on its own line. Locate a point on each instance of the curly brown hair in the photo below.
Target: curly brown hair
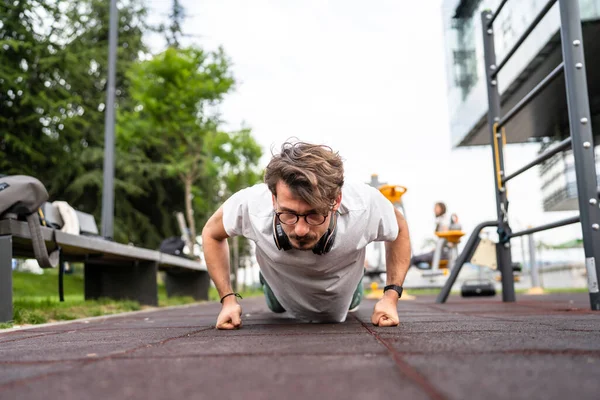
{"x": 314, "y": 173}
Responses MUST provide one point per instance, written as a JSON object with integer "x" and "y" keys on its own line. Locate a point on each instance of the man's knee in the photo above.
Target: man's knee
{"x": 273, "y": 304}
{"x": 270, "y": 298}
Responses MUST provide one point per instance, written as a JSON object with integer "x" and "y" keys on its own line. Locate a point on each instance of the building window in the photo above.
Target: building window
{"x": 464, "y": 57}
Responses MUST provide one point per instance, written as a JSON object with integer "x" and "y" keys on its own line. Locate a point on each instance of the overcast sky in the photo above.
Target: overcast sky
{"x": 366, "y": 78}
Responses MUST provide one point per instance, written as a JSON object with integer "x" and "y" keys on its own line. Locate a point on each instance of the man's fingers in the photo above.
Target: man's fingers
{"x": 229, "y": 325}
{"x": 385, "y": 314}
{"x": 375, "y": 318}
{"x": 378, "y": 318}
{"x": 225, "y": 326}
{"x": 224, "y": 323}
{"x": 385, "y": 321}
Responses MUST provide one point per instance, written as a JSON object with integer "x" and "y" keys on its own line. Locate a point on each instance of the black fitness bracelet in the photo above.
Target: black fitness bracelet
{"x": 397, "y": 288}
{"x": 231, "y": 294}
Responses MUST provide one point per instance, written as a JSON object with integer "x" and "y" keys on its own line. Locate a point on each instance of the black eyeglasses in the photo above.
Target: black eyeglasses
{"x": 290, "y": 218}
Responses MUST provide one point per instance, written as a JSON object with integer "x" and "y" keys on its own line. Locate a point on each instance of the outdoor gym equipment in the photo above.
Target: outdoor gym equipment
{"x": 441, "y": 269}
{"x": 449, "y": 239}
{"x": 393, "y": 193}
{"x": 580, "y": 140}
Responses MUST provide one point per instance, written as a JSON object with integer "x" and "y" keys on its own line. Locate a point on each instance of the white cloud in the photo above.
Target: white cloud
{"x": 368, "y": 79}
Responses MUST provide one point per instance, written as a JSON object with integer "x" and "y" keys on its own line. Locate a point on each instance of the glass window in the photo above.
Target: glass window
{"x": 463, "y": 56}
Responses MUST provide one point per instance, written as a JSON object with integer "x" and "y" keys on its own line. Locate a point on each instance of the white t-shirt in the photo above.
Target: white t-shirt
{"x": 313, "y": 287}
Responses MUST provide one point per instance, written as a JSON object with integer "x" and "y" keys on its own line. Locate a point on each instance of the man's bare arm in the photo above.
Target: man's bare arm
{"x": 216, "y": 252}
{"x": 397, "y": 259}
{"x": 397, "y": 262}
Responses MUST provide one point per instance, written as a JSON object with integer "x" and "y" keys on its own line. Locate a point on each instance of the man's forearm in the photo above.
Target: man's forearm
{"x": 216, "y": 254}
{"x": 397, "y": 259}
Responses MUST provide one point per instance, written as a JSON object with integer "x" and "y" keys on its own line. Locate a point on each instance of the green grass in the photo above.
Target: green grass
{"x": 213, "y": 295}
{"x": 435, "y": 292}
{"x": 568, "y": 290}
{"x": 46, "y": 285}
{"x": 428, "y": 292}
{"x": 35, "y": 299}
{"x": 558, "y": 290}
{"x": 39, "y": 311}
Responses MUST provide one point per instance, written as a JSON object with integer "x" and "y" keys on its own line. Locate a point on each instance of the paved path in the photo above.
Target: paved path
{"x": 538, "y": 348}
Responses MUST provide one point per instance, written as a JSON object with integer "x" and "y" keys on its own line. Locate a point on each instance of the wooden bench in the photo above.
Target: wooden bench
{"x": 111, "y": 270}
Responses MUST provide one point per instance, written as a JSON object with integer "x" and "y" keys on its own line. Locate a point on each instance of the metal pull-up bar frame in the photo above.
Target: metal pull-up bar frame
{"x": 525, "y": 35}
{"x": 580, "y": 140}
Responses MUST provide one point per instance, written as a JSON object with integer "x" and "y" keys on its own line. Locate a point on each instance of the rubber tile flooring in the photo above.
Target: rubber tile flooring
{"x": 540, "y": 347}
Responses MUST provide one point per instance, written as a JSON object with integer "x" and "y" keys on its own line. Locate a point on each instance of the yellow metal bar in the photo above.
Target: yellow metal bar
{"x": 497, "y": 154}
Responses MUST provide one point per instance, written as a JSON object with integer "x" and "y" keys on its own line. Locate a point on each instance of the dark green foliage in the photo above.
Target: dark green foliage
{"x": 52, "y": 92}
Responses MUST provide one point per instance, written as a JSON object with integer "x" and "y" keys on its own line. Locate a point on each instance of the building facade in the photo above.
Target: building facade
{"x": 545, "y": 119}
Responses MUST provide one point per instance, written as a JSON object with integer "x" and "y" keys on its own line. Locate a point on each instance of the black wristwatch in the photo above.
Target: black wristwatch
{"x": 394, "y": 287}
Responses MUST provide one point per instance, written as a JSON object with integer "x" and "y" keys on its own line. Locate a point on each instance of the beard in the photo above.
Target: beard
{"x": 306, "y": 242}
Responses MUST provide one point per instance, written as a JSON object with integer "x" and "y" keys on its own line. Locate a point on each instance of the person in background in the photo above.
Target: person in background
{"x": 444, "y": 221}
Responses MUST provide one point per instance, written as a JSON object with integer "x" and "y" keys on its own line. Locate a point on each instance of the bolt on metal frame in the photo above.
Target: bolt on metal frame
{"x": 580, "y": 140}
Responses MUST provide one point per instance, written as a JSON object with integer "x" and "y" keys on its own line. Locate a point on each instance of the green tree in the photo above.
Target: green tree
{"x": 233, "y": 166}
{"x": 36, "y": 104}
{"x": 137, "y": 186}
{"x": 237, "y": 156}
{"x": 52, "y": 93}
{"x": 176, "y": 95}
{"x": 174, "y": 33}
{"x": 87, "y": 47}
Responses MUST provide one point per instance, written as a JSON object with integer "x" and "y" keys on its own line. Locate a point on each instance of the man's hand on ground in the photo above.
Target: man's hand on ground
{"x": 386, "y": 310}
{"x": 230, "y": 316}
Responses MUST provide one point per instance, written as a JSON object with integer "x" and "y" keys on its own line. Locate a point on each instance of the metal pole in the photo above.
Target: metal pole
{"x": 108, "y": 194}
{"x": 496, "y": 13}
{"x": 539, "y": 159}
{"x": 523, "y": 252}
{"x": 61, "y": 279}
{"x": 437, "y": 254}
{"x": 503, "y": 254}
{"x": 6, "y": 289}
{"x": 524, "y": 36}
{"x": 535, "y": 275}
{"x": 531, "y": 95}
{"x": 545, "y": 227}
{"x": 583, "y": 144}
{"x": 380, "y": 256}
{"x": 464, "y": 257}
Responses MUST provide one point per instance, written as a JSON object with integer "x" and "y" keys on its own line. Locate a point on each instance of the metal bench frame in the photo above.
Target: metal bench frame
{"x": 112, "y": 270}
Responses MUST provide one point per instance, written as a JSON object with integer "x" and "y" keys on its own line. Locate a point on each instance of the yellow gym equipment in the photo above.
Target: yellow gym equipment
{"x": 450, "y": 240}
{"x": 393, "y": 193}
